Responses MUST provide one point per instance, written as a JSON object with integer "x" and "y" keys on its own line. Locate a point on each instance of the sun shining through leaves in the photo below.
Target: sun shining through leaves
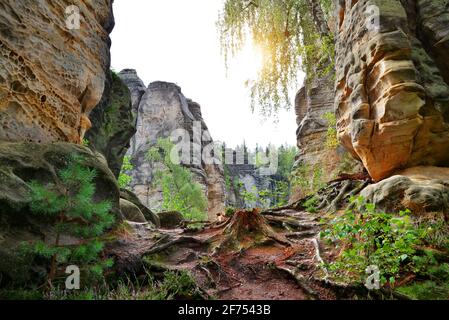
{"x": 285, "y": 32}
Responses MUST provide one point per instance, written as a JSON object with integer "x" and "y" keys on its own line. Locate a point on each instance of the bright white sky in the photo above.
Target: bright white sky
{"x": 177, "y": 41}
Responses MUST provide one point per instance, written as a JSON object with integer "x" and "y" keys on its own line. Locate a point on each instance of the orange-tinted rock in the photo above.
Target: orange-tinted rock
{"x": 420, "y": 189}
{"x": 51, "y": 77}
{"x": 392, "y": 96}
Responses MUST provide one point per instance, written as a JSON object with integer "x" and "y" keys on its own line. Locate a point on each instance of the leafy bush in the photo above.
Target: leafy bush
{"x": 370, "y": 237}
{"x": 309, "y": 179}
{"x": 124, "y": 180}
{"x": 311, "y": 204}
{"x": 331, "y": 138}
{"x": 70, "y": 204}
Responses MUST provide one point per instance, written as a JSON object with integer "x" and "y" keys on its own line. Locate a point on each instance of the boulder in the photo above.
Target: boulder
{"x": 419, "y": 189}
{"x": 170, "y": 219}
{"x": 131, "y": 212}
{"x": 147, "y": 213}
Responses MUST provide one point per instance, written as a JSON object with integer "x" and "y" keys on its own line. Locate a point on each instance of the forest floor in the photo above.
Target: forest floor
{"x": 252, "y": 255}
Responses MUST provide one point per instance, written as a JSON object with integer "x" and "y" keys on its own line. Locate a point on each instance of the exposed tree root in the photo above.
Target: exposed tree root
{"x": 246, "y": 229}
{"x": 301, "y": 281}
{"x": 318, "y": 257}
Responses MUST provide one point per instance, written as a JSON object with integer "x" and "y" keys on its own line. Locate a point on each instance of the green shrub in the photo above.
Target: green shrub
{"x": 124, "y": 180}
{"x": 331, "y": 137}
{"x": 370, "y": 238}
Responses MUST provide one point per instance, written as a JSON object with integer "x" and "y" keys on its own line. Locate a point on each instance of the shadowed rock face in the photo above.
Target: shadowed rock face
{"x": 135, "y": 85}
{"x": 162, "y": 110}
{"x": 392, "y": 96}
{"x": 21, "y": 163}
{"x": 51, "y": 77}
{"x": 113, "y": 123}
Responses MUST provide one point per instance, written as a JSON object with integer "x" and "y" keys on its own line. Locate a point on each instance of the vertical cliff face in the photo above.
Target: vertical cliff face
{"x": 313, "y": 102}
{"x": 163, "y": 110}
{"x": 392, "y": 73}
{"x": 51, "y": 77}
{"x": 113, "y": 123}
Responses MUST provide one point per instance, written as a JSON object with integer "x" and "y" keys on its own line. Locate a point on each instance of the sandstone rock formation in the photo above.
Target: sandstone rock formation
{"x": 147, "y": 213}
{"x": 113, "y": 123}
{"x": 392, "y": 73}
{"x": 163, "y": 110}
{"x": 135, "y": 85}
{"x": 131, "y": 212}
{"x": 420, "y": 189}
{"x": 312, "y": 103}
{"x": 51, "y": 76}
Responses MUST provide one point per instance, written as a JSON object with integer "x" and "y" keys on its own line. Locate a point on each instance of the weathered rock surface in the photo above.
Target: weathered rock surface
{"x": 135, "y": 85}
{"x": 164, "y": 110}
{"x": 51, "y": 77}
{"x": 170, "y": 219}
{"x": 21, "y": 163}
{"x": 392, "y": 93}
{"x": 147, "y": 213}
{"x": 420, "y": 189}
{"x": 251, "y": 182}
{"x": 131, "y": 212}
{"x": 312, "y": 103}
{"x": 113, "y": 123}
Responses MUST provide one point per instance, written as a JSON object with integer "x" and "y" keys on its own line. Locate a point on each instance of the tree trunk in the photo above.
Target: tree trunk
{"x": 318, "y": 18}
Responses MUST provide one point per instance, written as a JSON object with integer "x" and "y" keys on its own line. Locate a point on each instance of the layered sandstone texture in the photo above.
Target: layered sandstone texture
{"x": 420, "y": 189}
{"x": 51, "y": 75}
{"x": 313, "y": 103}
{"x": 163, "y": 110}
{"x": 113, "y": 123}
{"x": 392, "y": 75}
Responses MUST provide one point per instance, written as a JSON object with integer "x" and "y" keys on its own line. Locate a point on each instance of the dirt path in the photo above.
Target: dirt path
{"x": 236, "y": 259}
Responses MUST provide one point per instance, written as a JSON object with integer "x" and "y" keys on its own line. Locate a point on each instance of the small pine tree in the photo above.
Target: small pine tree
{"x": 70, "y": 203}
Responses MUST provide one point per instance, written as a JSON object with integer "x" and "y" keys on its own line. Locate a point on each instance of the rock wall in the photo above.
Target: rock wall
{"x": 51, "y": 77}
{"x": 162, "y": 110}
{"x": 252, "y": 182}
{"x": 392, "y": 93}
{"x": 113, "y": 123}
{"x": 313, "y": 101}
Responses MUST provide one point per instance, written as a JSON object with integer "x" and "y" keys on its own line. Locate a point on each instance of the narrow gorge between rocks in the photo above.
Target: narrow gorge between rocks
{"x": 123, "y": 180}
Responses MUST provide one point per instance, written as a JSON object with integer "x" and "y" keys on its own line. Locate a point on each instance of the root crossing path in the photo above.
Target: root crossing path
{"x": 252, "y": 255}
